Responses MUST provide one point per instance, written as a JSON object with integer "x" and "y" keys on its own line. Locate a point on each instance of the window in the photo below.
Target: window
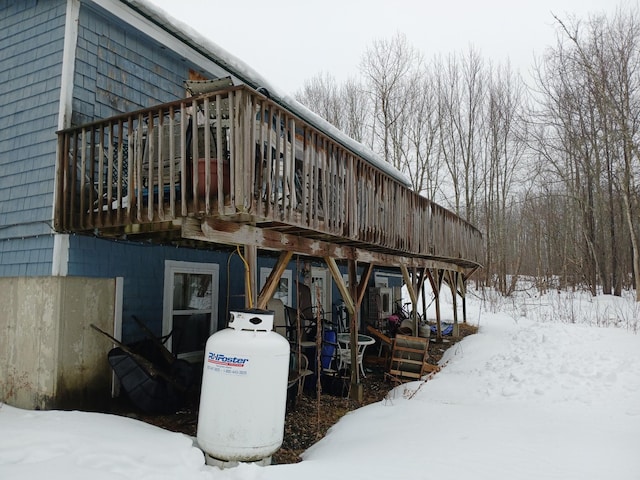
{"x": 190, "y": 307}
{"x": 283, "y": 292}
{"x": 321, "y": 287}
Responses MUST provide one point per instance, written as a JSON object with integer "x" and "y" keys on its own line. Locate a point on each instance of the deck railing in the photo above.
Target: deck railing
{"x": 235, "y": 155}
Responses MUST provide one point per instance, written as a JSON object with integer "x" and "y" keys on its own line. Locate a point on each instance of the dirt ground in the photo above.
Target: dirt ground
{"x": 306, "y": 421}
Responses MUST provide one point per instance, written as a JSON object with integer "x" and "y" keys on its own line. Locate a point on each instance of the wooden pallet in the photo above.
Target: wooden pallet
{"x": 409, "y": 358}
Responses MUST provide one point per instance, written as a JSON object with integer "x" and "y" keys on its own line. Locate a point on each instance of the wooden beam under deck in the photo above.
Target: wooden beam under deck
{"x": 273, "y": 280}
{"x": 232, "y": 233}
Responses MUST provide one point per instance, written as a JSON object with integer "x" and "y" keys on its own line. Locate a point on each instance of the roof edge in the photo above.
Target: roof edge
{"x": 249, "y": 76}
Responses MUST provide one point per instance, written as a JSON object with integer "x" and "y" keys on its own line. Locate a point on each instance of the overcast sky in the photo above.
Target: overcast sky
{"x": 291, "y": 41}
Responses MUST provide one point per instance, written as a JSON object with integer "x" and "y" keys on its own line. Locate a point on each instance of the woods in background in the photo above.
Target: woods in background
{"x": 547, "y": 168}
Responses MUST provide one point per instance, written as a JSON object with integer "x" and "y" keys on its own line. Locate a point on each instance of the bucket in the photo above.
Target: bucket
{"x": 406, "y": 326}
{"x": 213, "y": 171}
{"x": 424, "y": 330}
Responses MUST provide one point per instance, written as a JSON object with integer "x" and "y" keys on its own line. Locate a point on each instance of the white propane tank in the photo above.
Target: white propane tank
{"x": 244, "y": 390}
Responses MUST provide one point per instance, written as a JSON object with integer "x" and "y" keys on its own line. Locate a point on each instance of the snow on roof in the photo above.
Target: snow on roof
{"x": 247, "y": 75}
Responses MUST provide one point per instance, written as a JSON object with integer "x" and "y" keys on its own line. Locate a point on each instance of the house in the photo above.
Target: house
{"x": 144, "y": 171}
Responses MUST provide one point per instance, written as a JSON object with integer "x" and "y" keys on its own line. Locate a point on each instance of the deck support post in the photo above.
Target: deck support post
{"x": 463, "y": 286}
{"x": 410, "y": 282}
{"x": 453, "y": 282}
{"x": 273, "y": 280}
{"x": 436, "y": 284}
{"x": 251, "y": 257}
{"x": 352, "y": 296}
{"x": 463, "y": 295}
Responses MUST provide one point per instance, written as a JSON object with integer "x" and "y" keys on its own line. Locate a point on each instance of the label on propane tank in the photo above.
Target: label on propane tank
{"x": 227, "y": 364}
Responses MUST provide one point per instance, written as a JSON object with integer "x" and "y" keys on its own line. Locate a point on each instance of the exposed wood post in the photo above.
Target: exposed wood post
{"x": 342, "y": 288}
{"x": 361, "y": 288}
{"x": 236, "y": 167}
{"x": 463, "y": 295}
{"x": 220, "y": 155}
{"x": 195, "y": 155}
{"x": 463, "y": 288}
{"x": 246, "y": 122}
{"x": 352, "y": 296}
{"x": 206, "y": 156}
{"x": 436, "y": 284}
{"x": 272, "y": 281}
{"x": 251, "y": 256}
{"x": 420, "y": 294}
{"x": 356, "y": 391}
{"x": 424, "y": 296}
{"x": 414, "y": 302}
{"x": 409, "y": 282}
{"x": 183, "y": 156}
{"x": 453, "y": 280}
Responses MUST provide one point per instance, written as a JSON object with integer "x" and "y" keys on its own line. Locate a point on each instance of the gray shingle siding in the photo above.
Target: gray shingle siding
{"x": 29, "y": 256}
{"x": 119, "y": 70}
{"x": 116, "y": 70}
{"x": 31, "y": 39}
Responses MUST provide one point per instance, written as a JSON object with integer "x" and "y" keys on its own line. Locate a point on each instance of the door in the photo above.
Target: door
{"x": 190, "y": 310}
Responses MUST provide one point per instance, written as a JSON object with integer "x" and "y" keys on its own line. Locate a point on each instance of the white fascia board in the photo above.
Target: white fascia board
{"x": 60, "y": 261}
{"x": 68, "y": 63}
{"x": 60, "y": 254}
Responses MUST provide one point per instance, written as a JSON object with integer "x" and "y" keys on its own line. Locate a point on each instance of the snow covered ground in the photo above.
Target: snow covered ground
{"x": 548, "y": 389}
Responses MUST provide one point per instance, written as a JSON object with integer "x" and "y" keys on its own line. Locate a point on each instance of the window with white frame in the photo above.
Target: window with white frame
{"x": 190, "y": 310}
{"x": 283, "y": 292}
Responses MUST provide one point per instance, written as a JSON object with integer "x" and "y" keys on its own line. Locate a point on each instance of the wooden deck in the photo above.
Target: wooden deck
{"x": 233, "y": 167}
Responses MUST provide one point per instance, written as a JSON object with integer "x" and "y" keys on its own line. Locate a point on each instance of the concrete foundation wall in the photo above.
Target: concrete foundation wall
{"x": 50, "y": 357}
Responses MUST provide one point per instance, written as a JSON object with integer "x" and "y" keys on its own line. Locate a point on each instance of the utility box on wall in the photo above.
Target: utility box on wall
{"x": 49, "y": 355}
{"x": 380, "y": 305}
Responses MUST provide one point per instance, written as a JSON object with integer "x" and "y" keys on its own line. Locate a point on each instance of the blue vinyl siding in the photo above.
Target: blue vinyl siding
{"x": 142, "y": 265}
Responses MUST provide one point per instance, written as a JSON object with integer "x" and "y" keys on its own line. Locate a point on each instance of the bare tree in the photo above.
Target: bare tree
{"x": 462, "y": 84}
{"x": 554, "y": 187}
{"x": 386, "y": 66}
{"x": 356, "y": 107}
{"x": 321, "y": 94}
{"x": 590, "y": 83}
{"x": 504, "y": 133}
{"x": 420, "y": 156}
{"x": 345, "y": 106}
